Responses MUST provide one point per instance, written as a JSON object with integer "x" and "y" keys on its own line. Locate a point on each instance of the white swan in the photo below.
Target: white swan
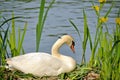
{"x": 44, "y": 64}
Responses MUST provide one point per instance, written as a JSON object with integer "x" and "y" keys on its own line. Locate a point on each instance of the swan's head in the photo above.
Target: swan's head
{"x": 69, "y": 41}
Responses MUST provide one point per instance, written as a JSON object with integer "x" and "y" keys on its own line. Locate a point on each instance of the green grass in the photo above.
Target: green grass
{"x": 105, "y": 49}
{"x": 4, "y": 38}
{"x": 14, "y": 45}
{"x": 41, "y": 21}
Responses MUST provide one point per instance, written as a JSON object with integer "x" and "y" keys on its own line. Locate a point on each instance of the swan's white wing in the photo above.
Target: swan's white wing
{"x": 37, "y": 63}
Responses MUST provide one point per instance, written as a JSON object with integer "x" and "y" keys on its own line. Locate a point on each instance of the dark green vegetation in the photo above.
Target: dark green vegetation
{"x": 105, "y": 47}
{"x": 8, "y": 39}
{"x": 104, "y": 63}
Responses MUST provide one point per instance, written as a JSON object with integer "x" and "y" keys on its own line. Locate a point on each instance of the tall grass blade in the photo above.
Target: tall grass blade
{"x": 41, "y": 21}
{"x": 45, "y": 16}
{"x": 16, "y": 46}
{"x": 75, "y": 28}
{"x": 39, "y": 26}
{"x": 5, "y": 37}
{"x": 114, "y": 45}
{"x": 22, "y": 39}
{"x": 86, "y": 33}
{"x": 12, "y": 40}
{"x": 3, "y": 44}
{"x": 3, "y": 50}
{"x": 10, "y": 20}
{"x": 109, "y": 10}
{"x": 13, "y": 32}
{"x": 96, "y": 41}
{"x": 90, "y": 40}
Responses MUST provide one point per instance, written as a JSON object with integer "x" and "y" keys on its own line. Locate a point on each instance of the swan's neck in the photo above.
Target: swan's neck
{"x": 69, "y": 61}
{"x": 56, "y": 47}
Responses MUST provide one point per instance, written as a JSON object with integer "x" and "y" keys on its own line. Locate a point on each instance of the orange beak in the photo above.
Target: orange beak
{"x": 72, "y": 48}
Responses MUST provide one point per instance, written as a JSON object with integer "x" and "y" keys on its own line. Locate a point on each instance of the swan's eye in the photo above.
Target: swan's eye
{"x": 73, "y": 43}
{"x": 59, "y": 37}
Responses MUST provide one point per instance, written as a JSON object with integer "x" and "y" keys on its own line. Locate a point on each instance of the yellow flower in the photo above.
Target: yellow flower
{"x": 96, "y": 8}
{"x": 102, "y": 1}
{"x": 103, "y": 19}
{"x": 117, "y": 20}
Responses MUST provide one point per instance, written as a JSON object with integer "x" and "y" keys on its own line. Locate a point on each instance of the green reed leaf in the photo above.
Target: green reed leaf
{"x": 109, "y": 10}
{"x": 75, "y": 28}
{"x": 39, "y": 26}
{"x": 41, "y": 21}
{"x": 22, "y": 39}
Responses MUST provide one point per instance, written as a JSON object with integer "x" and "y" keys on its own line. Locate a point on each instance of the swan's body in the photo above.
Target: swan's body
{"x": 44, "y": 64}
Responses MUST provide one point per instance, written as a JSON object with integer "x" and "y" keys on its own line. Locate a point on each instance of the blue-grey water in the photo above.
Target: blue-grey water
{"x": 57, "y": 22}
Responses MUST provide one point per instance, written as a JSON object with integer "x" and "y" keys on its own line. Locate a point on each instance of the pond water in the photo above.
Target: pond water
{"x": 57, "y": 22}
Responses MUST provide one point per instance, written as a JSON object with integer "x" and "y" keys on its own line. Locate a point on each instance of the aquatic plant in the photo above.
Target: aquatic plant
{"x": 3, "y": 44}
{"x": 4, "y": 39}
{"x": 14, "y": 45}
{"x": 41, "y": 21}
{"x": 105, "y": 57}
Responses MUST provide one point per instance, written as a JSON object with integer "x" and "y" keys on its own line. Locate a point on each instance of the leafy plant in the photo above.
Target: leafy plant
{"x": 16, "y": 46}
{"x": 4, "y": 39}
{"x": 105, "y": 51}
{"x": 41, "y": 21}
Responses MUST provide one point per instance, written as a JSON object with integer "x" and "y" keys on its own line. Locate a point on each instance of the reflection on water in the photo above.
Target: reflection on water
{"x": 57, "y": 22}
